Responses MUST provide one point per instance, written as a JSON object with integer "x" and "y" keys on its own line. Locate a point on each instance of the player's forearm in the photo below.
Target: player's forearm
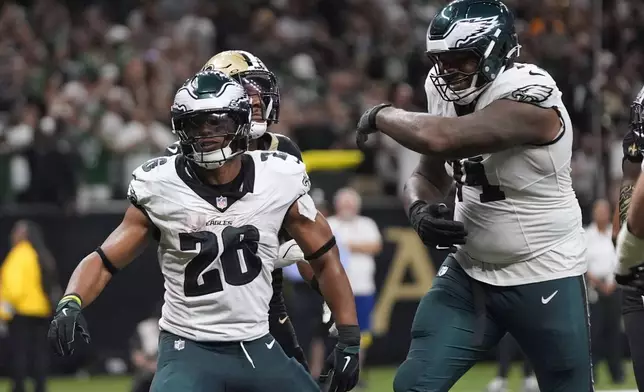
{"x": 625, "y": 195}
{"x": 89, "y": 279}
{"x": 419, "y": 132}
{"x": 630, "y": 172}
{"x": 616, "y": 224}
{"x": 501, "y": 125}
{"x": 306, "y": 271}
{"x": 335, "y": 287}
{"x": 419, "y": 187}
{"x": 119, "y": 249}
{"x": 635, "y": 213}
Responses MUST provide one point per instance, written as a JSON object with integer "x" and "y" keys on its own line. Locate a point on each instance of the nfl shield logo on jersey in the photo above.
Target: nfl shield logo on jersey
{"x": 442, "y": 270}
{"x": 179, "y": 344}
{"x": 222, "y": 202}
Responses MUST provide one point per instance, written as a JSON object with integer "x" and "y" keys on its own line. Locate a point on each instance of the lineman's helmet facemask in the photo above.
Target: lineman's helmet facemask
{"x": 470, "y": 42}
{"x": 259, "y": 106}
{"x": 637, "y": 114}
{"x": 211, "y": 115}
{"x": 257, "y": 78}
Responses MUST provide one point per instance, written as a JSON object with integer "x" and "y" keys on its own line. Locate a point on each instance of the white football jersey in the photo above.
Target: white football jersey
{"x": 217, "y": 250}
{"x": 518, "y": 205}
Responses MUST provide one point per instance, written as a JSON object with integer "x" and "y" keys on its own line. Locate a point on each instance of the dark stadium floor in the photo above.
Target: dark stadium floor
{"x": 380, "y": 380}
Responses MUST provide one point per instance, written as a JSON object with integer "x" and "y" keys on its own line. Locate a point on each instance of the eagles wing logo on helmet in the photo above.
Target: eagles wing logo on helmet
{"x": 534, "y": 93}
{"x": 180, "y": 108}
{"x": 467, "y": 31}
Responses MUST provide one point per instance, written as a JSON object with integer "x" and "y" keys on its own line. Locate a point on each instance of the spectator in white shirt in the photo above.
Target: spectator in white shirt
{"x": 361, "y": 236}
{"x": 604, "y": 298}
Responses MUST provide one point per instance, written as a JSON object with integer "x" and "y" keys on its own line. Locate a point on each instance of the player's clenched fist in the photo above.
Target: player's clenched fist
{"x": 367, "y": 124}
{"x": 434, "y": 226}
{"x": 67, "y": 321}
{"x": 342, "y": 368}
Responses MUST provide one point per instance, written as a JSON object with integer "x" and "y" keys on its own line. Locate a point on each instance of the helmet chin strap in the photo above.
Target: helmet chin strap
{"x": 258, "y": 128}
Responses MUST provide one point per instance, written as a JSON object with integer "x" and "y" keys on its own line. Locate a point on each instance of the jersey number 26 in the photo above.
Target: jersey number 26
{"x": 239, "y": 261}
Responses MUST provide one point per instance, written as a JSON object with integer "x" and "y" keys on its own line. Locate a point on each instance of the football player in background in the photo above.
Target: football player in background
{"x": 216, "y": 210}
{"x": 500, "y": 130}
{"x": 262, "y": 88}
{"x": 632, "y": 299}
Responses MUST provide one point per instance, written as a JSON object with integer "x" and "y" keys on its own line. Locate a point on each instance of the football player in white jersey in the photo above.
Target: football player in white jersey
{"x": 630, "y": 278}
{"x": 500, "y": 130}
{"x": 263, "y": 91}
{"x": 216, "y": 211}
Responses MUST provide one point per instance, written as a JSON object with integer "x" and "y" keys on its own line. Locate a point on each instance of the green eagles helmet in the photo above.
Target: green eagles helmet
{"x": 470, "y": 42}
{"x": 211, "y": 115}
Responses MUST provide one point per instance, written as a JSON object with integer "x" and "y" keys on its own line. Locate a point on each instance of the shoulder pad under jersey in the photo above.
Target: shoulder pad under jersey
{"x": 150, "y": 179}
{"x": 282, "y": 170}
{"x": 633, "y": 147}
{"x": 523, "y": 83}
{"x": 285, "y": 144}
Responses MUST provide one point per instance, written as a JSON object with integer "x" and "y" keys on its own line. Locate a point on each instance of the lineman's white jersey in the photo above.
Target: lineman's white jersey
{"x": 518, "y": 205}
{"x": 217, "y": 250}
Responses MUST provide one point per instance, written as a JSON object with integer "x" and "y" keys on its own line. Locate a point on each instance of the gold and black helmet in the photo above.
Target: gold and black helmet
{"x": 246, "y": 66}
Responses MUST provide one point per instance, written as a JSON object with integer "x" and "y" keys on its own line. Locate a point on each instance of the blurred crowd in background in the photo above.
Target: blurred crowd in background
{"x": 86, "y": 86}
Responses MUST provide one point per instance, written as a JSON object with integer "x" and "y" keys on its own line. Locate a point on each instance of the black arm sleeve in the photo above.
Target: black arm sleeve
{"x": 632, "y": 146}
{"x": 280, "y": 324}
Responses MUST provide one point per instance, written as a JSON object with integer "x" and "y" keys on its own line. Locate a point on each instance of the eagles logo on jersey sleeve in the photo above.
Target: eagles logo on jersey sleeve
{"x": 523, "y": 83}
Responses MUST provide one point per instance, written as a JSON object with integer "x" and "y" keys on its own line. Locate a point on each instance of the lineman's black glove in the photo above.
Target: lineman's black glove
{"x": 435, "y": 228}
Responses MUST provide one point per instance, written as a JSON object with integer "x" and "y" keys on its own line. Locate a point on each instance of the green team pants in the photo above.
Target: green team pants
{"x": 256, "y": 366}
{"x": 460, "y": 319}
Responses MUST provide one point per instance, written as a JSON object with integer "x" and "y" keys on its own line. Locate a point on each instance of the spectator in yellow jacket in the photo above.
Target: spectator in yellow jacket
{"x": 28, "y": 288}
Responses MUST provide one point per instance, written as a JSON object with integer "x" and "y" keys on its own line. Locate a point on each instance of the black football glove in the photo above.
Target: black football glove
{"x": 634, "y": 281}
{"x": 341, "y": 369}
{"x": 367, "y": 124}
{"x": 67, "y": 322}
{"x": 434, "y": 226}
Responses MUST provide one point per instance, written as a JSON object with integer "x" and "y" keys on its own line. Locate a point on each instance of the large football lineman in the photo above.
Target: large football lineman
{"x": 501, "y": 131}
{"x": 216, "y": 210}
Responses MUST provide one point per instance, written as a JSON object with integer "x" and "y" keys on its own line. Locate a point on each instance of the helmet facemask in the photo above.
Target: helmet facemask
{"x": 261, "y": 106}
{"x": 269, "y": 91}
{"x": 456, "y": 74}
{"x": 211, "y": 138}
{"x": 637, "y": 118}
{"x": 246, "y": 67}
